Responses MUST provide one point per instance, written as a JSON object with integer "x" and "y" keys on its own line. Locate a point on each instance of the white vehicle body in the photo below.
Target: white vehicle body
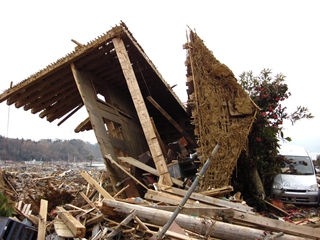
{"x": 297, "y": 181}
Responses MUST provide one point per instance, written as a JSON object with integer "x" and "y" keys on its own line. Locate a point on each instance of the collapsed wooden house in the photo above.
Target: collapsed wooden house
{"x": 136, "y": 117}
{"x": 131, "y": 109}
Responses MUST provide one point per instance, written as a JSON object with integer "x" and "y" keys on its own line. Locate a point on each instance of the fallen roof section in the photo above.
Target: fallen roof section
{"x": 52, "y": 91}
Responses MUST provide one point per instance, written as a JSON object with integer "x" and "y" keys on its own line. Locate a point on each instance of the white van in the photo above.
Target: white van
{"x": 297, "y": 181}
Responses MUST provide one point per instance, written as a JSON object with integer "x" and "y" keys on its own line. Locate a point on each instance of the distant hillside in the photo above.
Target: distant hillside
{"x": 48, "y": 150}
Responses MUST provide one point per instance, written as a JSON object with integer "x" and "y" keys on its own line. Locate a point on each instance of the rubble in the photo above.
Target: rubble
{"x": 154, "y": 151}
{"x": 77, "y": 206}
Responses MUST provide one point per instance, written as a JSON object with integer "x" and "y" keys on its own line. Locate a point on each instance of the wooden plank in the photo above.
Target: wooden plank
{"x": 205, "y": 226}
{"x": 201, "y": 211}
{"x": 43, "y": 219}
{"x": 123, "y": 223}
{"x": 137, "y": 98}
{"x": 89, "y": 96}
{"x": 72, "y": 223}
{"x": 212, "y": 201}
{"x": 171, "y": 199}
{"x": 61, "y": 229}
{"x": 100, "y": 189}
{"x": 147, "y": 168}
{"x": 87, "y": 200}
{"x": 122, "y": 168}
{"x": 163, "y": 148}
{"x": 171, "y": 120}
{"x": 95, "y": 219}
{"x": 218, "y": 191}
{"x": 277, "y": 225}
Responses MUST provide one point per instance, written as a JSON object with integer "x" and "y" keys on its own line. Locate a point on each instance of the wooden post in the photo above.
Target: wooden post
{"x": 88, "y": 95}
{"x": 43, "y": 219}
{"x": 171, "y": 120}
{"x": 142, "y": 112}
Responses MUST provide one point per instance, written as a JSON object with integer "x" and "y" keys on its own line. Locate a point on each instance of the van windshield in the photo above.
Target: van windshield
{"x": 297, "y": 165}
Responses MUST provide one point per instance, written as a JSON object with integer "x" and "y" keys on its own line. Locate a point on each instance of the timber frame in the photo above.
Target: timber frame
{"x": 112, "y": 77}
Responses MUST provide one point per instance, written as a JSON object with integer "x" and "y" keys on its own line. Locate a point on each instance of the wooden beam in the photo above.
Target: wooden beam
{"x": 137, "y": 98}
{"x": 209, "y": 211}
{"x": 93, "y": 182}
{"x": 89, "y": 96}
{"x": 163, "y": 148}
{"x": 212, "y": 201}
{"x": 72, "y": 223}
{"x": 205, "y": 226}
{"x": 61, "y": 229}
{"x": 171, "y": 120}
{"x": 147, "y": 168}
{"x": 97, "y": 218}
{"x": 122, "y": 224}
{"x": 125, "y": 171}
{"x": 43, "y": 219}
{"x": 277, "y": 225}
{"x": 70, "y": 114}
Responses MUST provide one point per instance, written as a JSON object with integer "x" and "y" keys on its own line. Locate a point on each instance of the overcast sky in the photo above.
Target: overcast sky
{"x": 245, "y": 35}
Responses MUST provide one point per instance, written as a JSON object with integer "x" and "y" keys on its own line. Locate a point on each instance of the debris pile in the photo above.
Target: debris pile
{"x": 77, "y": 205}
{"x": 155, "y": 151}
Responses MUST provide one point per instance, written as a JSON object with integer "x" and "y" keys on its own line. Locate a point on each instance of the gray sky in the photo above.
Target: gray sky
{"x": 245, "y": 35}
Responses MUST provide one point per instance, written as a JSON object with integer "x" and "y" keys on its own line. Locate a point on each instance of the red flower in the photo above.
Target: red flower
{"x": 277, "y": 99}
{"x": 263, "y": 114}
{"x": 258, "y": 139}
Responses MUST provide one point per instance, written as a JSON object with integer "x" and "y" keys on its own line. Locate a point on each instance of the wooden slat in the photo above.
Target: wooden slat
{"x": 129, "y": 174}
{"x": 147, "y": 168}
{"x": 101, "y": 190}
{"x": 123, "y": 223}
{"x": 213, "y": 201}
{"x": 142, "y": 112}
{"x": 171, "y": 120}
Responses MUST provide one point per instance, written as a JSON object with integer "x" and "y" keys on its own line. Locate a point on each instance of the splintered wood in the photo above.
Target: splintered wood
{"x": 221, "y": 112}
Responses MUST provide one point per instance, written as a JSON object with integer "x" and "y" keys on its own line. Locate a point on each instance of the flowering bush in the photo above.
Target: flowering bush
{"x": 261, "y": 154}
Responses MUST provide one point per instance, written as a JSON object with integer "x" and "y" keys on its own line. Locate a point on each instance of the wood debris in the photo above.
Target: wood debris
{"x": 103, "y": 216}
{"x": 147, "y": 180}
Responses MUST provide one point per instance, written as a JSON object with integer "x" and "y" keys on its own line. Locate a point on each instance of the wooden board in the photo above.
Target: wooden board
{"x": 278, "y": 225}
{"x": 88, "y": 95}
{"x": 43, "y": 219}
{"x": 62, "y": 230}
{"x": 147, "y": 168}
{"x": 72, "y": 223}
{"x": 142, "y": 112}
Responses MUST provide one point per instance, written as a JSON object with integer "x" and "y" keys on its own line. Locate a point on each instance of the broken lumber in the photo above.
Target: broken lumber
{"x": 148, "y": 169}
{"x": 212, "y": 201}
{"x": 278, "y": 225}
{"x": 199, "y": 225}
{"x": 72, "y": 223}
{"x": 171, "y": 120}
{"x": 61, "y": 229}
{"x": 124, "y": 222}
{"x": 125, "y": 171}
{"x": 101, "y": 190}
{"x": 208, "y": 211}
{"x": 43, "y": 219}
{"x": 143, "y": 114}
